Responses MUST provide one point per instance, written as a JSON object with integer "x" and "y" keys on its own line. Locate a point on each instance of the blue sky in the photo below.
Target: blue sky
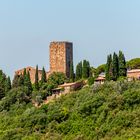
{"x": 96, "y": 28}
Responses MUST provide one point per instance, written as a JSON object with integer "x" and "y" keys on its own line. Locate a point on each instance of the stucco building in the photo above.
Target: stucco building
{"x": 133, "y": 74}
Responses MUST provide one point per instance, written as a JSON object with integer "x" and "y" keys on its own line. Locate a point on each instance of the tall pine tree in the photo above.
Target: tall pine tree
{"x": 18, "y": 81}
{"x": 43, "y": 77}
{"x": 109, "y": 67}
{"x": 122, "y": 65}
{"x": 24, "y": 73}
{"x": 86, "y": 69}
{"x": 27, "y": 82}
{"x": 79, "y": 71}
{"x": 8, "y": 84}
{"x": 71, "y": 72}
{"x": 2, "y": 84}
{"x": 36, "y": 79}
{"x": 115, "y": 65}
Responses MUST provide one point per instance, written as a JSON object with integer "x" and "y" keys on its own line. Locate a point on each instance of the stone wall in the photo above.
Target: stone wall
{"x": 32, "y": 72}
{"x": 61, "y": 55}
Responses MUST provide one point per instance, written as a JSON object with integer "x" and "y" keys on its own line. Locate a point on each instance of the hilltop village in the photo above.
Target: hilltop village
{"x": 86, "y": 104}
{"x": 61, "y": 61}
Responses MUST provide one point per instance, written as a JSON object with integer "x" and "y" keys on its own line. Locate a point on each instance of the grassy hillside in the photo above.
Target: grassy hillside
{"x": 106, "y": 112}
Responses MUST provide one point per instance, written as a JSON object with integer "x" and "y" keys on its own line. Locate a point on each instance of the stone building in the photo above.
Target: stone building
{"x": 61, "y": 56}
{"x": 32, "y": 72}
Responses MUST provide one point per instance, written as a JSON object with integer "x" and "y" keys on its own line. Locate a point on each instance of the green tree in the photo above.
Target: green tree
{"x": 2, "y": 84}
{"x": 2, "y": 79}
{"x": 108, "y": 67}
{"x": 111, "y": 70}
{"x": 36, "y": 79}
{"x": 79, "y": 71}
{"x": 86, "y": 69}
{"x": 15, "y": 82}
{"x": 115, "y": 65}
{"x": 133, "y": 63}
{"x": 24, "y": 73}
{"x": 2, "y": 93}
{"x": 71, "y": 72}
{"x": 18, "y": 80}
{"x": 91, "y": 80}
{"x": 100, "y": 69}
{"x": 57, "y": 78}
{"x": 122, "y": 65}
{"x": 27, "y": 82}
{"x": 43, "y": 77}
{"x": 8, "y": 84}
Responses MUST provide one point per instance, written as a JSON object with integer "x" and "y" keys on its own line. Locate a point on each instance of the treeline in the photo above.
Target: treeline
{"x": 53, "y": 81}
{"x": 5, "y": 84}
{"x": 116, "y": 66}
{"x": 83, "y": 72}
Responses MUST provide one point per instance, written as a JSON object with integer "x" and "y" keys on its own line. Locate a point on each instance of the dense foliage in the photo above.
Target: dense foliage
{"x": 36, "y": 79}
{"x": 110, "y": 112}
{"x": 72, "y": 75}
{"x": 83, "y": 70}
{"x": 134, "y": 63}
{"x": 100, "y": 69}
{"x": 116, "y": 66}
{"x": 79, "y": 71}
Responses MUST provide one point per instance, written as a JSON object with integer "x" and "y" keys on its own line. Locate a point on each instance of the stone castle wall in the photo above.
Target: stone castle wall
{"x": 61, "y": 56}
{"x": 32, "y": 72}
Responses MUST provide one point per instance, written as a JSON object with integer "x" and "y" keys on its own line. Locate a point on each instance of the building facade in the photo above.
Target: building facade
{"x": 61, "y": 57}
{"x": 133, "y": 74}
{"x": 32, "y": 72}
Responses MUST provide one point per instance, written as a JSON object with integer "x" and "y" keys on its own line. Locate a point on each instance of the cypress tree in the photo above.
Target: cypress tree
{"x": 109, "y": 67}
{"x": 24, "y": 73}
{"x": 2, "y": 84}
{"x": 43, "y": 78}
{"x": 79, "y": 71}
{"x": 36, "y": 79}
{"x": 2, "y": 94}
{"x": 122, "y": 65}
{"x": 27, "y": 82}
{"x": 18, "y": 81}
{"x": 71, "y": 72}
{"x": 86, "y": 69}
{"x": 8, "y": 84}
{"x": 115, "y": 65}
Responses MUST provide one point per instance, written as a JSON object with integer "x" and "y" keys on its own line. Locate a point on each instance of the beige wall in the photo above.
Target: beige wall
{"x": 135, "y": 75}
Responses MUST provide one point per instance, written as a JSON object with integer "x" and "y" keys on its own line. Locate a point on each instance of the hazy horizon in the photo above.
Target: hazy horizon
{"x": 96, "y": 28}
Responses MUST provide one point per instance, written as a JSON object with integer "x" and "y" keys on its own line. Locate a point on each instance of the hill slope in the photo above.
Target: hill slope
{"x": 108, "y": 112}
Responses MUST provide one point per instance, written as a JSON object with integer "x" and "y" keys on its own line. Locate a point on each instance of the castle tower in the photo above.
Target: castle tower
{"x": 61, "y": 56}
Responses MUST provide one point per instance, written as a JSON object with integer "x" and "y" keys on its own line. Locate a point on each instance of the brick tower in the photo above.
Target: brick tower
{"x": 61, "y": 56}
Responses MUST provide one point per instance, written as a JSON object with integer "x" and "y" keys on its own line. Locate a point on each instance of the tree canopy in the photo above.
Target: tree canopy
{"x": 133, "y": 63}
